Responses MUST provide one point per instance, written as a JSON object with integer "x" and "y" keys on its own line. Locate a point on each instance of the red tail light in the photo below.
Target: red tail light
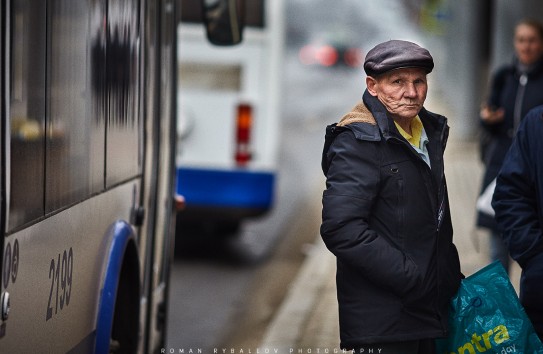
{"x": 327, "y": 55}
{"x": 243, "y": 134}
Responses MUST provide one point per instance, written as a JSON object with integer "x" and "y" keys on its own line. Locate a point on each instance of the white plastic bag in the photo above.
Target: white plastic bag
{"x": 484, "y": 202}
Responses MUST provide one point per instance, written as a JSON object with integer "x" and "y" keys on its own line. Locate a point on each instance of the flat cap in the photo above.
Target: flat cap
{"x": 397, "y": 54}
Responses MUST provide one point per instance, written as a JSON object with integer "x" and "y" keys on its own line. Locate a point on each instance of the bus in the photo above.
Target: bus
{"x": 87, "y": 151}
{"x": 229, "y": 119}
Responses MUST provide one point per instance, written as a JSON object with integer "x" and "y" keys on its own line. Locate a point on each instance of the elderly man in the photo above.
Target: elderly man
{"x": 385, "y": 211}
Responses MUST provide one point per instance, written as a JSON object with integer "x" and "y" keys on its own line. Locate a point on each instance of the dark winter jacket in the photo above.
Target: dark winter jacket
{"x": 507, "y": 92}
{"x": 386, "y": 218}
{"x": 518, "y": 202}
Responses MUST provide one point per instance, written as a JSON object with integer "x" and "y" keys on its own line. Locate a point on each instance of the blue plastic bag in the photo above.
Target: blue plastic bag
{"x": 487, "y": 317}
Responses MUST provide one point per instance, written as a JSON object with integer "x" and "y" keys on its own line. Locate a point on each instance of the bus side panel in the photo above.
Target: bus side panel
{"x": 58, "y": 275}
{"x": 72, "y": 83}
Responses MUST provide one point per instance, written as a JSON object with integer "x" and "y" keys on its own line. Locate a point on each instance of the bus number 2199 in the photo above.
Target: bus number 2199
{"x": 60, "y": 274}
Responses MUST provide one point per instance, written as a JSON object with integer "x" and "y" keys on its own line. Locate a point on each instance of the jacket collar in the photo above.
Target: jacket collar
{"x": 369, "y": 120}
{"x": 371, "y": 111}
{"x": 534, "y": 70}
{"x": 385, "y": 123}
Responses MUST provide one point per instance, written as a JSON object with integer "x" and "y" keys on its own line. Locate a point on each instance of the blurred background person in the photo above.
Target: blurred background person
{"x": 515, "y": 89}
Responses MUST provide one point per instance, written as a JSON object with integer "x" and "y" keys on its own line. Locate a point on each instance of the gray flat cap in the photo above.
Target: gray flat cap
{"x": 396, "y": 54}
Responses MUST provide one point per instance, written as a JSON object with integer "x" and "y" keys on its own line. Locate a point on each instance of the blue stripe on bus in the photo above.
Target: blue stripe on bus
{"x": 219, "y": 188}
{"x": 121, "y": 233}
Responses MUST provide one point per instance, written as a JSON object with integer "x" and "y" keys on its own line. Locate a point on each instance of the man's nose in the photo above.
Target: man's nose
{"x": 410, "y": 90}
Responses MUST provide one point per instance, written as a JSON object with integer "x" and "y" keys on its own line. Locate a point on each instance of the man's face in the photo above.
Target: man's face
{"x": 401, "y": 91}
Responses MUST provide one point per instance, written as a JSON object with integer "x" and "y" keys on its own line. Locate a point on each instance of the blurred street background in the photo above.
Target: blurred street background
{"x": 226, "y": 292}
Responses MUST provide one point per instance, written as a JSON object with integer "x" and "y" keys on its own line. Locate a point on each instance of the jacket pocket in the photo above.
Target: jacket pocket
{"x": 398, "y": 199}
{"x": 400, "y": 209}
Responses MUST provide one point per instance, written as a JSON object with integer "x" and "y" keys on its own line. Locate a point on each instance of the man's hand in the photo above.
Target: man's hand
{"x": 492, "y": 116}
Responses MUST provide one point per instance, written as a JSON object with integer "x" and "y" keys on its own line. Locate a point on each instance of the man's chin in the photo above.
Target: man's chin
{"x": 408, "y": 114}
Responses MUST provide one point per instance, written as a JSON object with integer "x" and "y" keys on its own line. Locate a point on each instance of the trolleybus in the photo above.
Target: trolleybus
{"x": 87, "y": 143}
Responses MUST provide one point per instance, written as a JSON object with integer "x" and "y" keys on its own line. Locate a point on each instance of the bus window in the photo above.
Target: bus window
{"x": 27, "y": 115}
{"x": 122, "y": 80}
{"x": 75, "y": 146}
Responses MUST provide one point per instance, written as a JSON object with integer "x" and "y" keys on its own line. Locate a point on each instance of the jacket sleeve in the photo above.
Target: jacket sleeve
{"x": 494, "y": 99}
{"x": 352, "y": 186}
{"x": 515, "y": 201}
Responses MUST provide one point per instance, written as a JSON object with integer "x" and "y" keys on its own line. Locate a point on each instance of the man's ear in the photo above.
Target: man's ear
{"x": 371, "y": 84}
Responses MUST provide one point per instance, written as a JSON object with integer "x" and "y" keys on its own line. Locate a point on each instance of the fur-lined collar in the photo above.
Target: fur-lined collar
{"x": 359, "y": 114}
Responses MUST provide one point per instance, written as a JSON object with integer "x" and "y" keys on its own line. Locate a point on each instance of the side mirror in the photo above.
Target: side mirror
{"x": 224, "y": 20}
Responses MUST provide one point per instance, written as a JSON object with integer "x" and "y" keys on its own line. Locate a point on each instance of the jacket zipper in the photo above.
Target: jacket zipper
{"x": 517, "y": 112}
{"x": 440, "y": 209}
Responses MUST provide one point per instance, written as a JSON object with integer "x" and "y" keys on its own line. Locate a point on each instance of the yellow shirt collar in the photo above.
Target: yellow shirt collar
{"x": 416, "y": 130}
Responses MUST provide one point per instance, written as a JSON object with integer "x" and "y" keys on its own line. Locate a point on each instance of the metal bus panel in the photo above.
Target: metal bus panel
{"x": 57, "y": 274}
{"x": 79, "y": 203}
{"x": 111, "y": 185}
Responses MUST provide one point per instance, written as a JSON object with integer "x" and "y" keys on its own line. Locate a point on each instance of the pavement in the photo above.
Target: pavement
{"x": 307, "y": 321}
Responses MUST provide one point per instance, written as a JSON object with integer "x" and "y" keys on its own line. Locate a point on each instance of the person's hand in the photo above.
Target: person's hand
{"x": 492, "y": 116}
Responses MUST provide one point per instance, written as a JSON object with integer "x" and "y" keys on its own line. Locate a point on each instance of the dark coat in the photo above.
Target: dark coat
{"x": 518, "y": 202}
{"x": 506, "y": 92}
{"x": 386, "y": 218}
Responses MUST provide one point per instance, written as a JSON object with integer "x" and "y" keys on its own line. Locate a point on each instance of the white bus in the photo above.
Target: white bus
{"x": 229, "y": 117}
{"x": 87, "y": 149}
